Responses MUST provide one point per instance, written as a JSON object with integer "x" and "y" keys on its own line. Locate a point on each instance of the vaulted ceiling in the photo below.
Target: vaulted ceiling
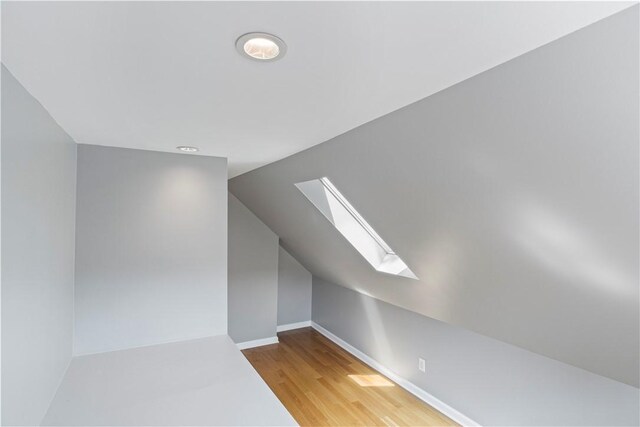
{"x": 155, "y": 75}
{"x": 511, "y": 193}
{"x": 513, "y": 196}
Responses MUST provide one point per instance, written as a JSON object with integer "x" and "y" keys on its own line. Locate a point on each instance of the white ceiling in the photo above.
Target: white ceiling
{"x": 154, "y": 75}
{"x": 512, "y": 196}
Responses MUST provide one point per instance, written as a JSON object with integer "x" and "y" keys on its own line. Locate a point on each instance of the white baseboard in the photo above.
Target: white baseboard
{"x": 407, "y": 385}
{"x": 296, "y": 325}
{"x": 257, "y": 343}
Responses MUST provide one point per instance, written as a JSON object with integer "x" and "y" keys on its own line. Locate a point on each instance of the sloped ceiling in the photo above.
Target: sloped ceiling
{"x": 513, "y": 196}
{"x": 155, "y": 75}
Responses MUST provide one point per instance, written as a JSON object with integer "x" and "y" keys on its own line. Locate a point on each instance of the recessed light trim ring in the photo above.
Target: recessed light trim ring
{"x": 187, "y": 148}
{"x": 261, "y": 47}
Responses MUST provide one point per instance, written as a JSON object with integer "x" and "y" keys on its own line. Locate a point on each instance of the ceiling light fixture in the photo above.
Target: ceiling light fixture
{"x": 187, "y": 149}
{"x": 261, "y": 47}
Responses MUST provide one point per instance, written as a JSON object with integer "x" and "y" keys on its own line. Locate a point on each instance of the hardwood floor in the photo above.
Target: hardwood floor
{"x": 323, "y": 385}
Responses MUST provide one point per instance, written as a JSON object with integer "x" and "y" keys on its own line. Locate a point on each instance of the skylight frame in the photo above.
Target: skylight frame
{"x": 335, "y": 207}
{"x": 354, "y": 213}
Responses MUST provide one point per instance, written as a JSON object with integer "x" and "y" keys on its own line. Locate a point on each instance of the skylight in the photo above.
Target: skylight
{"x": 346, "y": 219}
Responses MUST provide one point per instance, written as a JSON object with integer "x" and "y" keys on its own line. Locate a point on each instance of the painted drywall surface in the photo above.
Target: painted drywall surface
{"x": 151, "y": 249}
{"x": 294, "y": 290}
{"x": 513, "y": 196}
{"x": 172, "y": 75}
{"x": 253, "y": 275}
{"x": 489, "y": 381}
{"x": 205, "y": 382}
{"x": 38, "y": 228}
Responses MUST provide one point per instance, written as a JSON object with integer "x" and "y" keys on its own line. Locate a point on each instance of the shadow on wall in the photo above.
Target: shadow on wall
{"x": 568, "y": 251}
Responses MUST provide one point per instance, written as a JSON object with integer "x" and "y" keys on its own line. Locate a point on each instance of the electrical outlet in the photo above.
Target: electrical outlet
{"x": 421, "y": 364}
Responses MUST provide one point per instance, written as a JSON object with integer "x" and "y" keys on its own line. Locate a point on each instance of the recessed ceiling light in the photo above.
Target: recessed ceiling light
{"x": 261, "y": 46}
{"x": 187, "y": 148}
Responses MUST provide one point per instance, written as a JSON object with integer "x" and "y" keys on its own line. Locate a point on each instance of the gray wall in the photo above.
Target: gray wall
{"x": 513, "y": 196}
{"x": 489, "y": 381}
{"x": 294, "y": 290}
{"x": 38, "y": 227}
{"x": 151, "y": 258}
{"x": 253, "y": 275}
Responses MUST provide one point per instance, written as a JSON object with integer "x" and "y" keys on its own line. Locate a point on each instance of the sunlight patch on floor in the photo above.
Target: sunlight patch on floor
{"x": 371, "y": 381}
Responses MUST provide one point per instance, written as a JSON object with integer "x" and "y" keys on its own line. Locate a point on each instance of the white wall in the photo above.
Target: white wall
{"x": 151, "y": 250}
{"x": 491, "y": 382}
{"x": 294, "y": 290}
{"x": 38, "y": 227}
{"x": 512, "y": 195}
{"x": 253, "y": 275}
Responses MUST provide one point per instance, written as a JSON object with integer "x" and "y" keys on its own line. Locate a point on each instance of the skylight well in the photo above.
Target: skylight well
{"x": 346, "y": 219}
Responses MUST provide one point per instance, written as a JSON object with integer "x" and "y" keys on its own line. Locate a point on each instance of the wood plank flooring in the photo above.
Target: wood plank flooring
{"x": 323, "y": 385}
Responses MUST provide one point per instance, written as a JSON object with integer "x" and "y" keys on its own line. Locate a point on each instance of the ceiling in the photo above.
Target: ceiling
{"x": 512, "y": 196}
{"x": 155, "y": 75}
